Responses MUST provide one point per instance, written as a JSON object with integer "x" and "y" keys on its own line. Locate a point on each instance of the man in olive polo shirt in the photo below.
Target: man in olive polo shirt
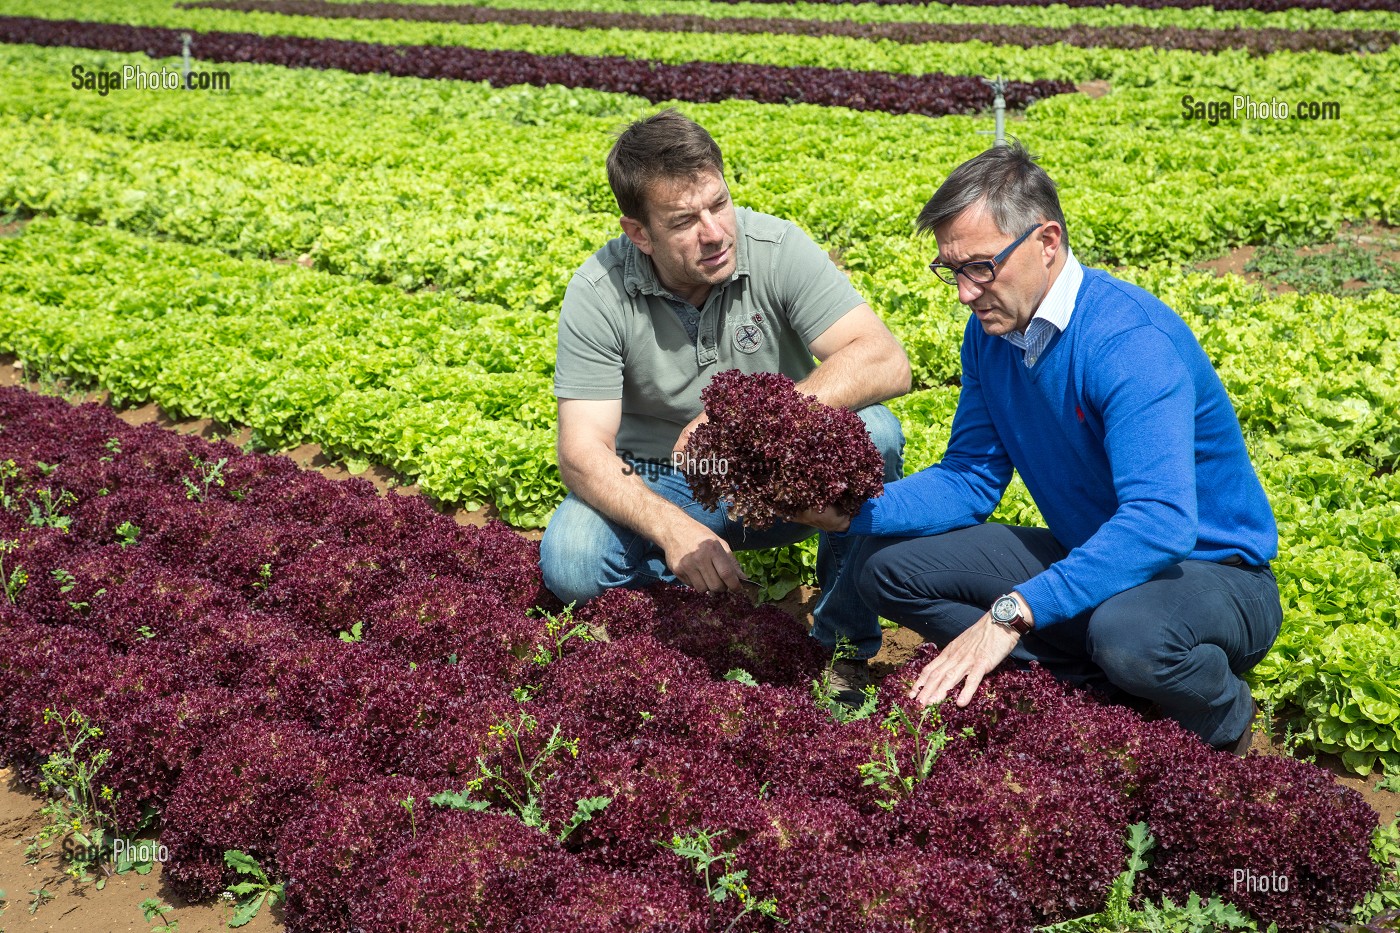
{"x": 693, "y": 288}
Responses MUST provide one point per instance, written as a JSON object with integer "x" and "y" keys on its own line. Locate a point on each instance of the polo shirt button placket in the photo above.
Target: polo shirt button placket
{"x": 707, "y": 334}
{"x": 707, "y": 349}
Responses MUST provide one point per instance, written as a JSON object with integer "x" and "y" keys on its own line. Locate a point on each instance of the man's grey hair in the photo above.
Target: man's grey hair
{"x": 1015, "y": 190}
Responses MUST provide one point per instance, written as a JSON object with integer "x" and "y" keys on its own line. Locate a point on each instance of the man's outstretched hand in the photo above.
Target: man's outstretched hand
{"x": 968, "y": 658}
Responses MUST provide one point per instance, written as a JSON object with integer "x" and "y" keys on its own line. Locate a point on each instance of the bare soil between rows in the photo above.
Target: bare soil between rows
{"x": 78, "y": 908}
{"x": 1372, "y": 238}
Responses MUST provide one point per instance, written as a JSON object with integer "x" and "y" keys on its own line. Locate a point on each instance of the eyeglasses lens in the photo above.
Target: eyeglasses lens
{"x": 980, "y": 272}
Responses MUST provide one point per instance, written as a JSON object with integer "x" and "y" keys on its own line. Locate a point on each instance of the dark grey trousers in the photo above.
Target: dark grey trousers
{"x": 1181, "y": 640}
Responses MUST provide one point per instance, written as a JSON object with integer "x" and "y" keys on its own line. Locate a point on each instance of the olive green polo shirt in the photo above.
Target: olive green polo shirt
{"x": 620, "y": 336}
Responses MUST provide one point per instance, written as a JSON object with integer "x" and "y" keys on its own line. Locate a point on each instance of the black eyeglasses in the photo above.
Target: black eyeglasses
{"x": 981, "y": 271}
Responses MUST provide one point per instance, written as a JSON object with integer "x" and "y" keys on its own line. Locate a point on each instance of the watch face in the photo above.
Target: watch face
{"x": 1005, "y": 609}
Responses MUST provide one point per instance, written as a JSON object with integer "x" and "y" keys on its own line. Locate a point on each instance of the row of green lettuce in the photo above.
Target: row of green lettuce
{"x": 457, "y": 396}
{"x": 1056, "y": 16}
{"x": 1308, "y": 73}
{"x": 422, "y": 183}
{"x": 453, "y": 394}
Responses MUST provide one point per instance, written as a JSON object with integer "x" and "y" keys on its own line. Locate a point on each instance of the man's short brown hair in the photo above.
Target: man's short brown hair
{"x": 667, "y": 146}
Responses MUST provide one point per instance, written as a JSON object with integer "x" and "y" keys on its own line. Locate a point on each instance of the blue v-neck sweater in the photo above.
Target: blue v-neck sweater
{"x": 1125, "y": 437}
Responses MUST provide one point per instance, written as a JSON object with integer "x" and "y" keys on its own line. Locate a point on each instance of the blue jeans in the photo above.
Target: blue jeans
{"x": 1181, "y": 640}
{"x": 584, "y": 553}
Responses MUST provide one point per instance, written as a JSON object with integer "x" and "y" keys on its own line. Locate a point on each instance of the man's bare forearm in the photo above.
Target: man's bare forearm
{"x": 598, "y": 476}
{"x": 863, "y": 373}
{"x": 696, "y": 555}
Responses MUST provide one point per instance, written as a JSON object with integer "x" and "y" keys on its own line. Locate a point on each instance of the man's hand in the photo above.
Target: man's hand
{"x": 701, "y": 559}
{"x": 826, "y": 518}
{"x": 687, "y": 431}
{"x": 967, "y": 659}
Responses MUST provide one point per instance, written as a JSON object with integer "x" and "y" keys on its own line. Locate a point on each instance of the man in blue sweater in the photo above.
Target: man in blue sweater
{"x": 1152, "y": 579}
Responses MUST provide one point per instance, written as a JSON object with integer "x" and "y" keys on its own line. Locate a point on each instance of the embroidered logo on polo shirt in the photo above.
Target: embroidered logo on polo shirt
{"x": 747, "y": 338}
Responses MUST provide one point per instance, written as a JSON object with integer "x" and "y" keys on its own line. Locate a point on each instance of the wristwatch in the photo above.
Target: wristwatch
{"x": 1006, "y": 612}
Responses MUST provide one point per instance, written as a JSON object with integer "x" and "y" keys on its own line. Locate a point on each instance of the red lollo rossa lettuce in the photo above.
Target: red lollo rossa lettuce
{"x": 768, "y": 451}
{"x": 239, "y": 792}
{"x": 280, "y": 662}
{"x": 433, "y": 618}
{"x": 781, "y": 737}
{"x": 830, "y": 872}
{"x": 42, "y": 668}
{"x": 453, "y": 876}
{"x": 1056, "y": 835}
{"x": 1072, "y": 768}
{"x": 721, "y": 630}
{"x": 932, "y": 94}
{"x": 563, "y": 892}
{"x": 1276, "y": 837}
{"x": 656, "y": 789}
{"x": 329, "y": 849}
{"x": 609, "y": 685}
{"x": 156, "y": 740}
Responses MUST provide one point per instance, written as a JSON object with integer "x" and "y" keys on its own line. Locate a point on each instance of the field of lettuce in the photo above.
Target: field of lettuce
{"x": 362, "y": 241}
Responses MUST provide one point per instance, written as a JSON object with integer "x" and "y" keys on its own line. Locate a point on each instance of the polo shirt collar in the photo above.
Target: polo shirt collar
{"x": 639, "y": 272}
